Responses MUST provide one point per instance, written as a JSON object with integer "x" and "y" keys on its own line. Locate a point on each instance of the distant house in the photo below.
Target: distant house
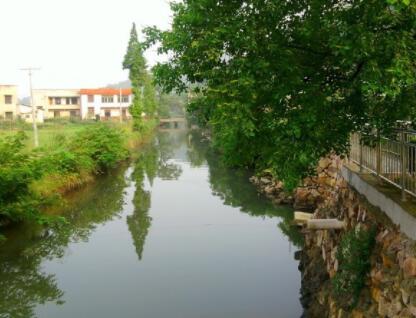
{"x": 101, "y": 103}
{"x": 105, "y": 103}
{"x": 58, "y": 103}
{"x": 25, "y": 113}
{"x": 8, "y": 102}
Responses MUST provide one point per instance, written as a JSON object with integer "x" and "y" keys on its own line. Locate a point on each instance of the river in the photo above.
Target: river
{"x": 175, "y": 234}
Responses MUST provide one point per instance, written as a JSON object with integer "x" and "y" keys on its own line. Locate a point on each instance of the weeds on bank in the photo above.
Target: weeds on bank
{"x": 29, "y": 178}
{"x": 353, "y": 257}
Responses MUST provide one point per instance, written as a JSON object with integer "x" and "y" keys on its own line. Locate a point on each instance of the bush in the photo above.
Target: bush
{"x": 101, "y": 143}
{"x": 63, "y": 161}
{"x": 17, "y": 172}
{"x": 24, "y": 174}
{"x": 353, "y": 257}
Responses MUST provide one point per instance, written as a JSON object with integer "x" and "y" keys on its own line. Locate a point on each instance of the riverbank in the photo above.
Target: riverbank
{"x": 367, "y": 269}
{"x": 65, "y": 182}
{"x": 70, "y": 155}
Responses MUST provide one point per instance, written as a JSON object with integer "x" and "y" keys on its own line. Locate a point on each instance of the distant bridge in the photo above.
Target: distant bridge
{"x": 173, "y": 122}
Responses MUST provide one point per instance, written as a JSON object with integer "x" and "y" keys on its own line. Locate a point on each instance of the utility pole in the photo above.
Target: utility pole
{"x": 119, "y": 100}
{"x": 34, "y": 115}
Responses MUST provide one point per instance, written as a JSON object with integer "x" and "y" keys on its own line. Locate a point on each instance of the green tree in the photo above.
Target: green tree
{"x": 135, "y": 62}
{"x": 144, "y": 92}
{"x": 283, "y": 83}
{"x": 149, "y": 97}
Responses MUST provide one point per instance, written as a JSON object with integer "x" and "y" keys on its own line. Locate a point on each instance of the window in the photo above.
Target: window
{"x": 107, "y": 99}
{"x": 107, "y": 114}
{"x": 9, "y": 115}
{"x": 91, "y": 110}
{"x": 8, "y": 99}
{"x": 71, "y": 100}
{"x": 124, "y": 98}
{"x": 50, "y": 100}
{"x": 57, "y": 100}
{"x": 73, "y": 113}
{"x": 56, "y": 114}
{"x": 90, "y": 98}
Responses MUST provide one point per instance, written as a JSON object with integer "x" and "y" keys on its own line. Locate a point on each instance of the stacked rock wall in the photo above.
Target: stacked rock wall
{"x": 391, "y": 285}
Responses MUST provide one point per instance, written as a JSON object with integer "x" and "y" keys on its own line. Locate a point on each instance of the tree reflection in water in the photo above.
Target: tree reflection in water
{"x": 154, "y": 159}
{"x": 233, "y": 187}
{"x": 139, "y": 222}
{"x": 23, "y": 284}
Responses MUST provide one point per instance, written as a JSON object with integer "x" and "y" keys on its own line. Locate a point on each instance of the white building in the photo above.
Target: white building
{"x": 105, "y": 103}
{"x": 25, "y": 113}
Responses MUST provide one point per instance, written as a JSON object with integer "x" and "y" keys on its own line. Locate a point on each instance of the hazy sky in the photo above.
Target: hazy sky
{"x": 77, "y": 43}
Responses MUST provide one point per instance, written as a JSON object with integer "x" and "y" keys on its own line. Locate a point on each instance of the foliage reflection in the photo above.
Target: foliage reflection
{"x": 233, "y": 187}
{"x": 152, "y": 160}
{"x": 23, "y": 284}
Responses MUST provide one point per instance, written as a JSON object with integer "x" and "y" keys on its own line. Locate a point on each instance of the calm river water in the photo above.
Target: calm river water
{"x": 173, "y": 235}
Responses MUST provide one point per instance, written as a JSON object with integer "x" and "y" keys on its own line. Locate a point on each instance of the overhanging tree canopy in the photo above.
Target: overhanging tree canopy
{"x": 284, "y": 83}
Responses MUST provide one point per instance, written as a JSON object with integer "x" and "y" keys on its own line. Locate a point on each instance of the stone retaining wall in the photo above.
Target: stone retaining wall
{"x": 391, "y": 286}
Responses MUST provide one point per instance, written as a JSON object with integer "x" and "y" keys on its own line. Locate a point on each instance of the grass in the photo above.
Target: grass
{"x": 51, "y": 135}
{"x": 47, "y": 133}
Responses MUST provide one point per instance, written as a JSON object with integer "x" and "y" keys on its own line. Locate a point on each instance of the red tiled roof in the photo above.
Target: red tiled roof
{"x": 105, "y": 91}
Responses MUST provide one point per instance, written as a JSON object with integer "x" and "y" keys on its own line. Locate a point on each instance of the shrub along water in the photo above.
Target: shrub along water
{"x": 353, "y": 257}
{"x": 29, "y": 178}
{"x": 17, "y": 172}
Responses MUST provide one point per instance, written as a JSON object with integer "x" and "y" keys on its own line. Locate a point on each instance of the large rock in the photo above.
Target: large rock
{"x": 405, "y": 313}
{"x": 265, "y": 180}
{"x": 324, "y": 163}
{"x": 376, "y": 294}
{"x": 269, "y": 189}
{"x": 357, "y": 314}
{"x": 389, "y": 309}
{"x": 409, "y": 267}
{"x": 405, "y": 296}
{"x": 412, "y": 310}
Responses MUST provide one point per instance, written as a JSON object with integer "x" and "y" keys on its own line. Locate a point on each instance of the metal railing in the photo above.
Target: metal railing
{"x": 392, "y": 159}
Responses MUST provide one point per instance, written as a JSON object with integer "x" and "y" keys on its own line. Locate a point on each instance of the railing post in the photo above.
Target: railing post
{"x": 403, "y": 163}
{"x": 361, "y": 152}
{"x": 378, "y": 155}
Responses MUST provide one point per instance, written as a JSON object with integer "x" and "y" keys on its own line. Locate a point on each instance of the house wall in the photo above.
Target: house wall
{"x": 46, "y": 98}
{"x": 101, "y": 108}
{"x": 6, "y": 109}
{"x": 25, "y": 113}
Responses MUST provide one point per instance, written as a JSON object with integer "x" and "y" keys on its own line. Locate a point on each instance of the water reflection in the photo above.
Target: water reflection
{"x": 233, "y": 188}
{"x": 23, "y": 284}
{"x": 139, "y": 222}
{"x": 152, "y": 160}
{"x": 167, "y": 169}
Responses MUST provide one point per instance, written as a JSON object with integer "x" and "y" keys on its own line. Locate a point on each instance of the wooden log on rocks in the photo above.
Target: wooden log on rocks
{"x": 302, "y": 217}
{"x": 325, "y": 224}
